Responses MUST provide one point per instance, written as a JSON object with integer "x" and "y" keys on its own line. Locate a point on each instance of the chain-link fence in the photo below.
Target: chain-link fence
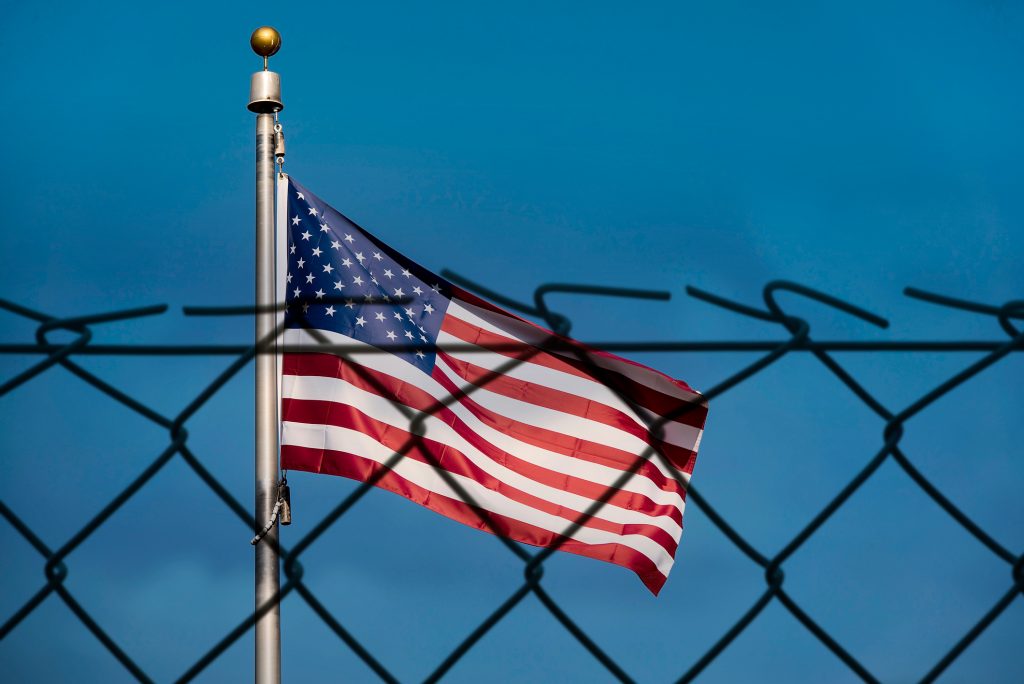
{"x": 798, "y": 340}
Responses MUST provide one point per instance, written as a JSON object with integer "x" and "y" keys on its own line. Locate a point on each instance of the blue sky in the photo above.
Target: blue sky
{"x": 854, "y": 149}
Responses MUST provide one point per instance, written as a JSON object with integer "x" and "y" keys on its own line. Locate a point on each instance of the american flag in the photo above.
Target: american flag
{"x": 515, "y": 437}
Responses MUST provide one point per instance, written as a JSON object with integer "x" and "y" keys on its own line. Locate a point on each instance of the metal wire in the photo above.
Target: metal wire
{"x": 798, "y": 341}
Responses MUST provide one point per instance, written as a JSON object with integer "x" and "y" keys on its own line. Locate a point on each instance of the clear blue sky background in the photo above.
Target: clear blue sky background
{"x": 856, "y": 149}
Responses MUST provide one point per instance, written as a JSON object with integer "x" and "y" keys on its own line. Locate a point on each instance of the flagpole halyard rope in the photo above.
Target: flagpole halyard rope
{"x": 270, "y": 524}
{"x": 282, "y": 509}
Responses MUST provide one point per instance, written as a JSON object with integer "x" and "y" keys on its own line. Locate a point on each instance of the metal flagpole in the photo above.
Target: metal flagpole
{"x": 265, "y": 101}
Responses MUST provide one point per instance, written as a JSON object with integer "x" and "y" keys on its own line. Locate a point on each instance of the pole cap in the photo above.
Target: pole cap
{"x": 265, "y": 93}
{"x": 265, "y": 41}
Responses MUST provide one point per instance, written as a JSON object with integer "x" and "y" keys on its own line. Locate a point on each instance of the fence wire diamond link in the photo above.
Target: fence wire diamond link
{"x": 56, "y": 571}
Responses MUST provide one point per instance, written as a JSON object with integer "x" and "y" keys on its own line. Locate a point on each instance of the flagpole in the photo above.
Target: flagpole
{"x": 265, "y": 101}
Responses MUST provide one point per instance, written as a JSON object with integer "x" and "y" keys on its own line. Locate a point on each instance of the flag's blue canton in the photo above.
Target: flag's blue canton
{"x": 342, "y": 279}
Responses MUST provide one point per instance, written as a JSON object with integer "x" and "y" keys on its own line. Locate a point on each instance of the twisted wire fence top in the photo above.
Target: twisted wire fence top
{"x": 64, "y": 342}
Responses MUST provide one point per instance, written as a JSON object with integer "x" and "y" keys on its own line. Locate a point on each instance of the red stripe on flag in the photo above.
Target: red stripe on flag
{"x": 659, "y": 403}
{"x": 566, "y": 402}
{"x": 562, "y": 443}
{"x": 355, "y": 467}
{"x": 330, "y": 366}
{"x": 442, "y": 456}
{"x": 525, "y": 330}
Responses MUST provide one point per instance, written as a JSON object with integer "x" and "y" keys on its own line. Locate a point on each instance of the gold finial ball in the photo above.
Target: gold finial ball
{"x": 265, "y": 41}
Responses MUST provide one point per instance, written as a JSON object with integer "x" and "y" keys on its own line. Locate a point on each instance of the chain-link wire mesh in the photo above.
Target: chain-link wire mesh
{"x": 798, "y": 341}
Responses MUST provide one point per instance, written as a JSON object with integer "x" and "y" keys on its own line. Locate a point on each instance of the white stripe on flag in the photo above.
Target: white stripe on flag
{"x": 506, "y": 326}
{"x": 310, "y": 387}
{"x": 550, "y": 419}
{"x": 567, "y": 465}
{"x": 423, "y": 475}
{"x": 679, "y": 434}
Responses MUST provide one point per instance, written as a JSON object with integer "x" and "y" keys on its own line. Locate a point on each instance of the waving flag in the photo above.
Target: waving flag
{"x": 469, "y": 410}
